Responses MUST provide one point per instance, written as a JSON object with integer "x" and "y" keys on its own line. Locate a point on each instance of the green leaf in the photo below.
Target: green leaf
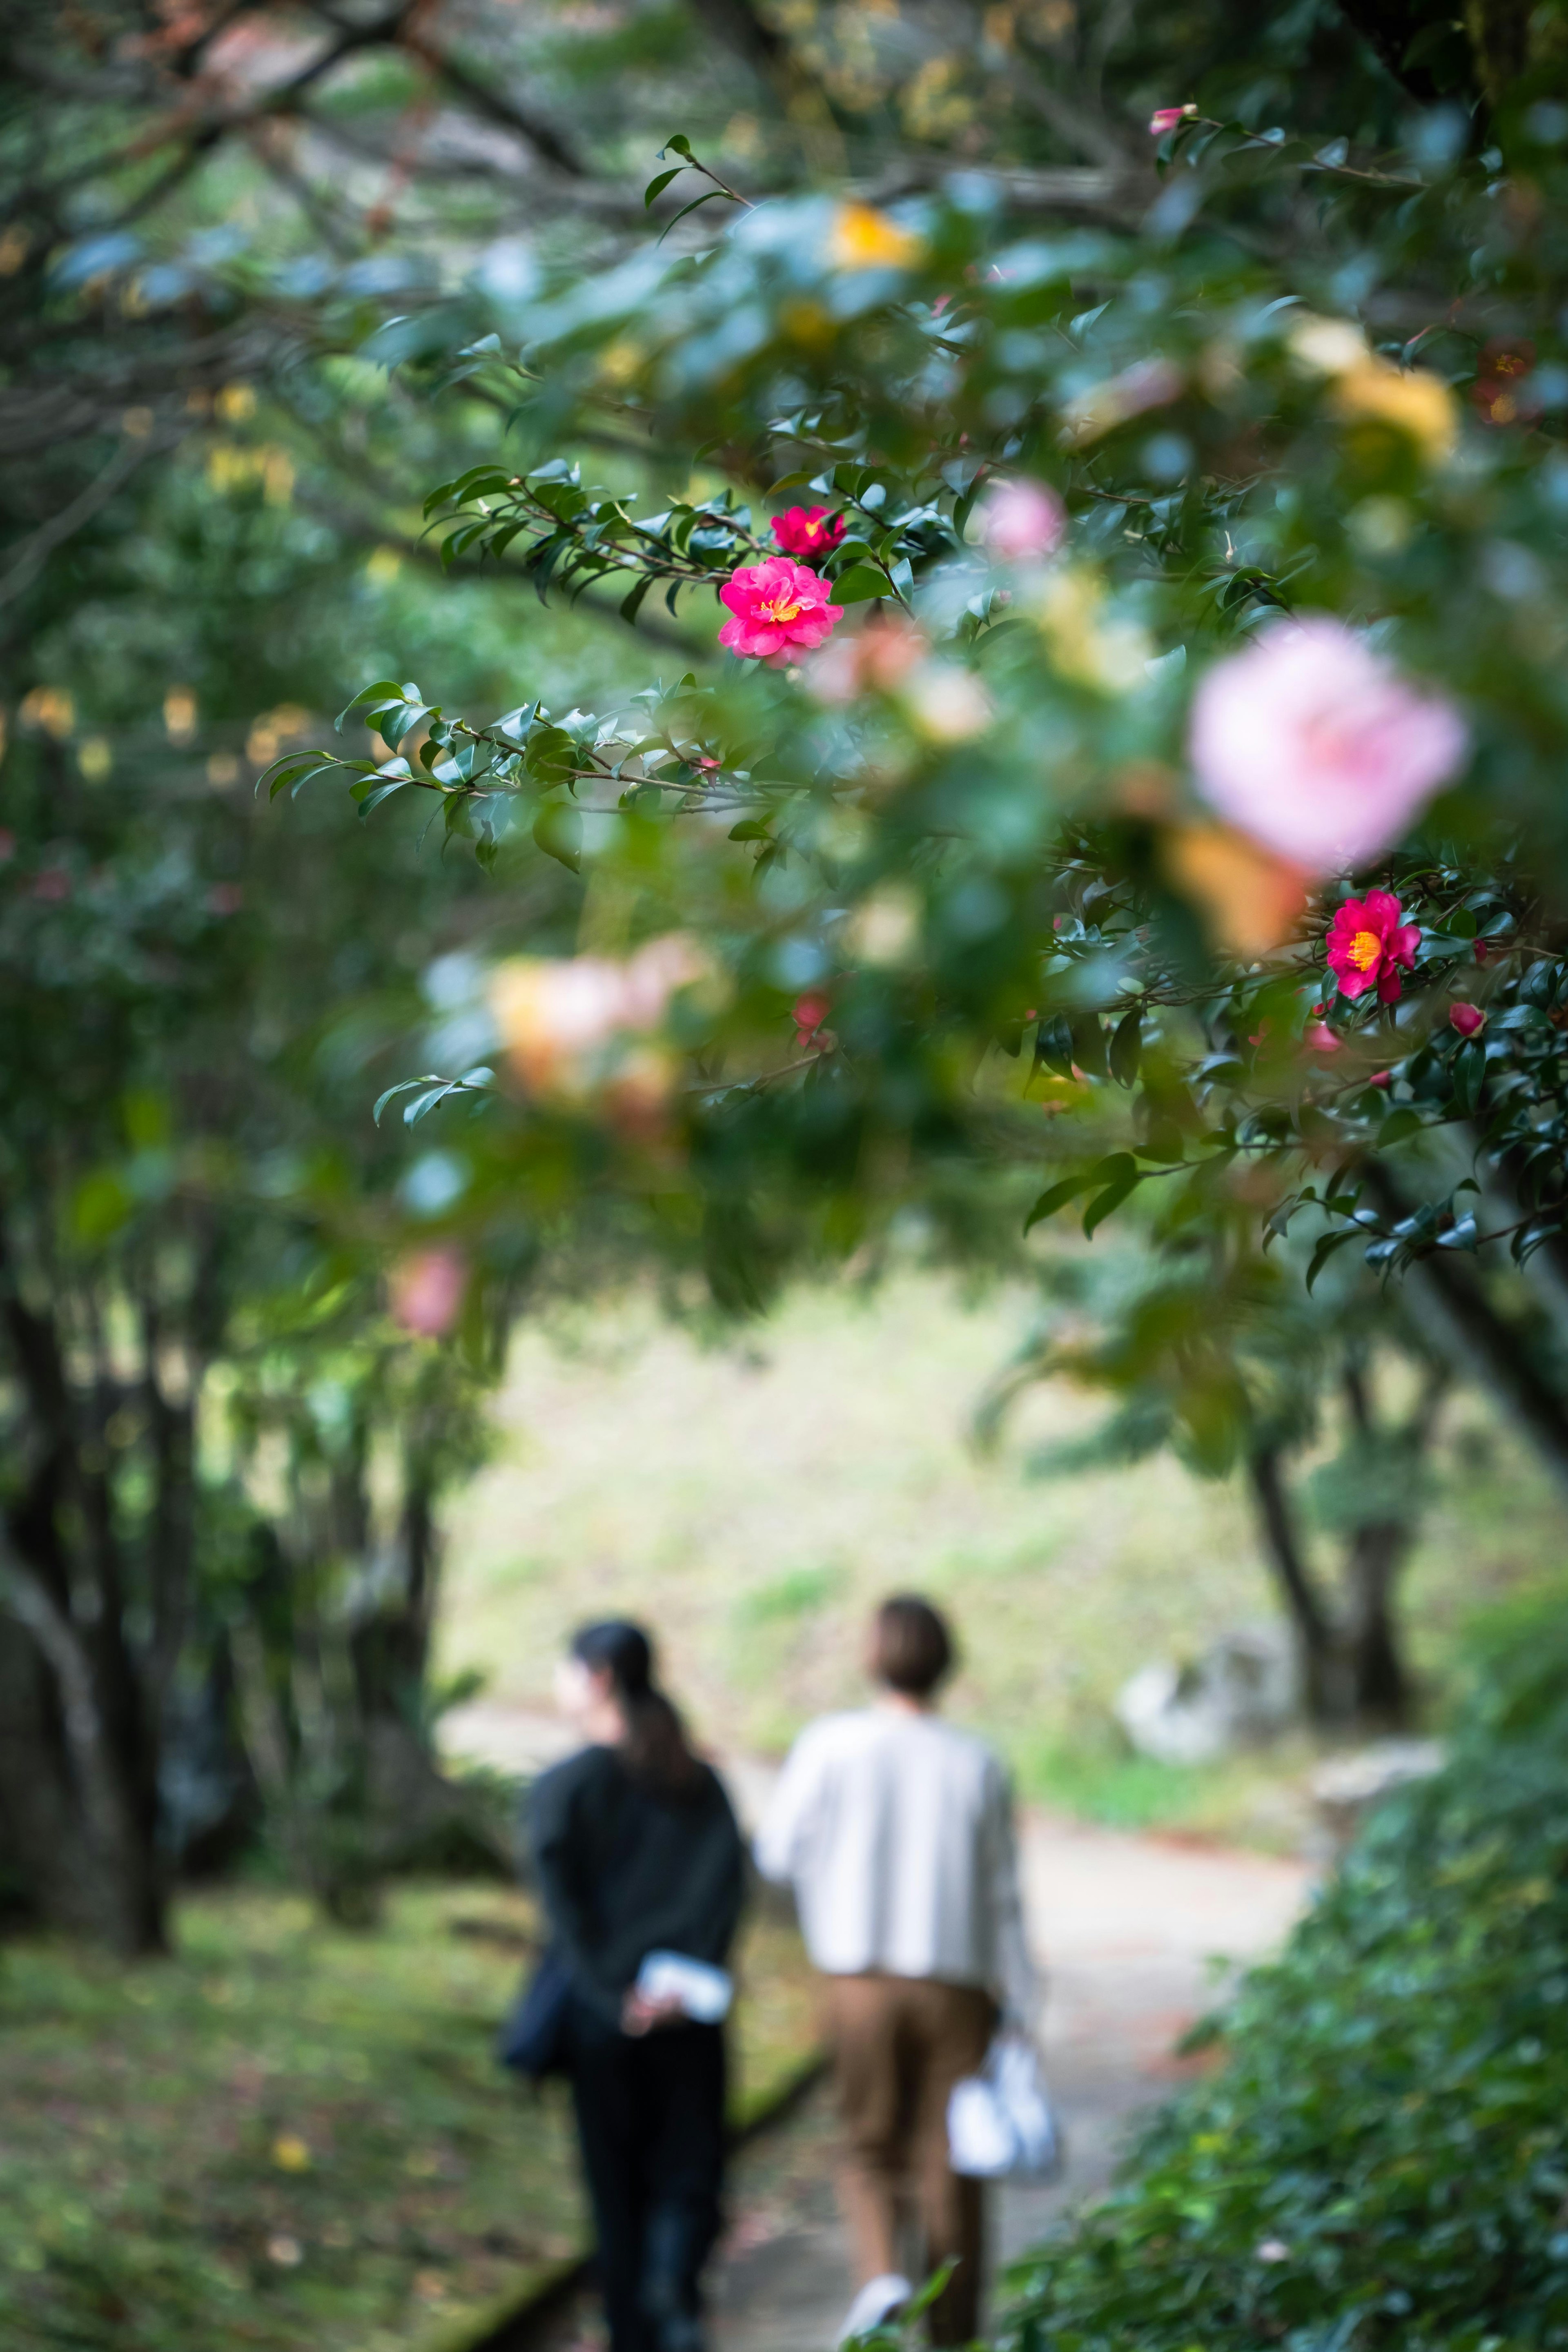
{"x": 1126, "y": 1046}
{"x": 861, "y": 582}
{"x": 1088, "y": 1044}
{"x": 710, "y": 195}
{"x": 1469, "y": 1070}
{"x": 386, "y": 689}
{"x": 558, "y": 830}
{"x": 1053, "y": 1045}
{"x": 1057, "y": 1196}
{"x": 660, "y": 181}
{"x": 750, "y": 830}
{"x": 1327, "y": 1244}
{"x": 631, "y": 602}
{"x": 678, "y": 145}
{"x": 1403, "y": 1120}
{"x": 1105, "y": 1203}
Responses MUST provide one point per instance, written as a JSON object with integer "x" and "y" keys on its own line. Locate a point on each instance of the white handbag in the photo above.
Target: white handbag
{"x": 1000, "y": 2124}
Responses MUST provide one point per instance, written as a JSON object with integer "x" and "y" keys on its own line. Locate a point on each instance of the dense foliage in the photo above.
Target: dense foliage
{"x": 1214, "y": 551}
{"x": 1379, "y": 2158}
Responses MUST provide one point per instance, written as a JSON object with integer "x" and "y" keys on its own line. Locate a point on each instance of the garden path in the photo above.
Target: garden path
{"x": 1128, "y": 1929}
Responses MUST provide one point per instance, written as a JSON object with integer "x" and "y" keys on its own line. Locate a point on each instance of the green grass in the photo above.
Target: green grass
{"x": 753, "y": 1501}
{"x": 293, "y": 2135}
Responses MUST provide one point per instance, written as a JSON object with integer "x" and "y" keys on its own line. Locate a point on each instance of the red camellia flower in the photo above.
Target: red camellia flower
{"x": 808, "y": 530}
{"x": 778, "y": 606}
{"x": 808, "y": 1012}
{"x": 1467, "y": 1019}
{"x": 1367, "y": 941}
{"x": 1498, "y": 392}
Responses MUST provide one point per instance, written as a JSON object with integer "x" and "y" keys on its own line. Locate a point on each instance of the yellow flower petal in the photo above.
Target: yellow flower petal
{"x": 1249, "y": 899}
{"x": 861, "y": 237}
{"x": 1412, "y": 400}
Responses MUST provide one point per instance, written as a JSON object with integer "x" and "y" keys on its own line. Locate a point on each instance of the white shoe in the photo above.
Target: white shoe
{"x": 876, "y": 2302}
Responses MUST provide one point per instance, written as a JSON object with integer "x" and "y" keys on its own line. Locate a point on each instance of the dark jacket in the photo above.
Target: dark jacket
{"x": 627, "y": 1869}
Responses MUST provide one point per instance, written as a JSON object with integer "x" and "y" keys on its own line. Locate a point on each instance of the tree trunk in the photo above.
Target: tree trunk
{"x": 1324, "y": 1690}
{"x": 122, "y": 1892}
{"x": 60, "y": 1584}
{"x": 1380, "y": 1686}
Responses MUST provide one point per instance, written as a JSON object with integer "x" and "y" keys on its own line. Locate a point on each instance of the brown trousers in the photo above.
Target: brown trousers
{"x": 900, "y": 2044}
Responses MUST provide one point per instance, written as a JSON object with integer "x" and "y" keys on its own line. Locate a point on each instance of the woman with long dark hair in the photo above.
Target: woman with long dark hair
{"x": 637, "y": 1853}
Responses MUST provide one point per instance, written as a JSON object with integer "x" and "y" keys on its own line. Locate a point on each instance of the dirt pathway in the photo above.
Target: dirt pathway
{"x": 1128, "y": 1930}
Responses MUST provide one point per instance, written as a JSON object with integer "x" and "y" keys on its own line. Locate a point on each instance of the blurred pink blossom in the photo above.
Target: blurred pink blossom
{"x": 1467, "y": 1019}
{"x": 1321, "y": 1038}
{"x": 1018, "y": 519}
{"x": 559, "y": 1015}
{"x": 1165, "y": 118}
{"x": 777, "y": 606}
{"x": 877, "y": 659}
{"x": 426, "y": 1290}
{"x": 1317, "y": 747}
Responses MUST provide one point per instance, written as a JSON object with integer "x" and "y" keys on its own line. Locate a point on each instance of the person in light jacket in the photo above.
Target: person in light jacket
{"x": 896, "y": 1831}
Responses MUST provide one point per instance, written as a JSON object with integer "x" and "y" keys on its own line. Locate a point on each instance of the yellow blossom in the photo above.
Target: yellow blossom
{"x": 886, "y": 925}
{"x": 1249, "y": 899}
{"x": 1085, "y": 643}
{"x": 861, "y": 237}
{"x": 50, "y": 708}
{"x": 1326, "y": 346}
{"x": 1412, "y": 400}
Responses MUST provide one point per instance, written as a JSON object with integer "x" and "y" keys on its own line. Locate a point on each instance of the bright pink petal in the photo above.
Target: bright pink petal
{"x": 1403, "y": 944}
{"x": 1390, "y": 987}
{"x": 1381, "y": 911}
{"x": 1353, "y": 982}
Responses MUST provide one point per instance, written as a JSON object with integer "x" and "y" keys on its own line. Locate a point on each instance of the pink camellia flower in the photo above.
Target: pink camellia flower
{"x": 808, "y": 1012}
{"x": 426, "y": 1291}
{"x": 1321, "y": 1038}
{"x": 808, "y": 530}
{"x": 1165, "y": 118}
{"x": 1019, "y": 519}
{"x": 1317, "y": 747}
{"x": 1367, "y": 942}
{"x": 1467, "y": 1019}
{"x": 778, "y": 606}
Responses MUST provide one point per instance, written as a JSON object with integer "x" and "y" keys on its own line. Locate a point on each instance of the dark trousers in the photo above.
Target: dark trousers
{"x": 650, "y": 2117}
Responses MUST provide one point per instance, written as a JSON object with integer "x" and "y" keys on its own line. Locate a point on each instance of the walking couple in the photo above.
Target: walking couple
{"x": 895, "y": 1831}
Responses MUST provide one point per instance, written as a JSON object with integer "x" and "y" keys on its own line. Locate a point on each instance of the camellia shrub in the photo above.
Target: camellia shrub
{"x": 1380, "y": 2157}
{"x": 1123, "y": 734}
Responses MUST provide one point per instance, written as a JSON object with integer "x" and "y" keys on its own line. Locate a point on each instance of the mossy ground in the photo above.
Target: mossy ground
{"x": 289, "y": 2136}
